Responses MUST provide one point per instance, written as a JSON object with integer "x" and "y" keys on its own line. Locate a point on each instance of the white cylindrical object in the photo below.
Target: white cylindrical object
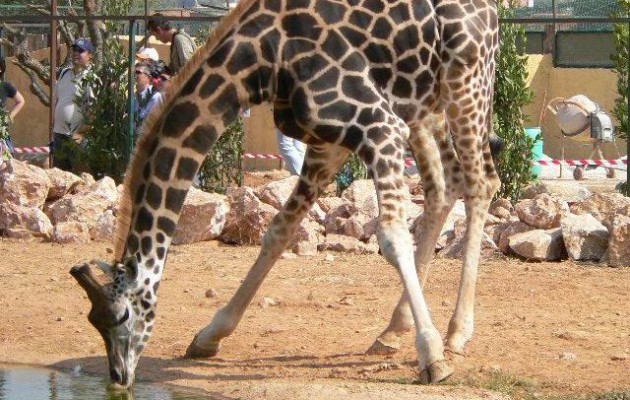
{"x": 573, "y": 116}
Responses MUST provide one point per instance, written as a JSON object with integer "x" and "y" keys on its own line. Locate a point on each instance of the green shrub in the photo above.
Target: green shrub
{"x": 621, "y": 61}
{"x": 510, "y": 95}
{"x": 105, "y": 150}
{"x": 352, "y": 170}
{"x": 223, "y": 167}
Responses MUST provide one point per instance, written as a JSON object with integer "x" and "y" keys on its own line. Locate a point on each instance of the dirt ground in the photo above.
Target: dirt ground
{"x": 551, "y": 328}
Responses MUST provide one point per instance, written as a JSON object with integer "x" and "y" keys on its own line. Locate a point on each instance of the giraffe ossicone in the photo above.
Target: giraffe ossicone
{"x": 362, "y": 76}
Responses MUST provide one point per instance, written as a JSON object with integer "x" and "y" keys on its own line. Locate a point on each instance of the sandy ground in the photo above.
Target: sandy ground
{"x": 548, "y": 328}
{"x": 561, "y": 327}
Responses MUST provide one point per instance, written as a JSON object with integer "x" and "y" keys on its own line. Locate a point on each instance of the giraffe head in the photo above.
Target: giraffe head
{"x": 122, "y": 313}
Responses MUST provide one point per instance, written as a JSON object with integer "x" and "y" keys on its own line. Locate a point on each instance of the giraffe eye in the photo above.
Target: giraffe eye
{"x": 124, "y": 317}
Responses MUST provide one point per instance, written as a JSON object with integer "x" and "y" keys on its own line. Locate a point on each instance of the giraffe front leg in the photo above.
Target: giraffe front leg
{"x": 319, "y": 168}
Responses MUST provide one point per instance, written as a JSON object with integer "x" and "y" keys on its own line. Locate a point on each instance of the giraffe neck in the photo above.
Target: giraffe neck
{"x": 210, "y": 95}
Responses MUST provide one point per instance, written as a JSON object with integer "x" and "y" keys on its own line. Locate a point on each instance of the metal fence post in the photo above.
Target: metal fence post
{"x": 627, "y": 191}
{"x": 131, "y": 95}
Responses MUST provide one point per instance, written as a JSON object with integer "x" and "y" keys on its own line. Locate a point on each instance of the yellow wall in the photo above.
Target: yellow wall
{"x": 31, "y": 126}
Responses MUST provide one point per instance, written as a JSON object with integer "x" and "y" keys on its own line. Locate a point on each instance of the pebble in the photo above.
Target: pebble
{"x": 567, "y": 356}
{"x": 267, "y": 302}
{"x": 211, "y": 293}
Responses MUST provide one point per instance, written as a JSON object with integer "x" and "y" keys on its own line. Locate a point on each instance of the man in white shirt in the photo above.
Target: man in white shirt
{"x": 74, "y": 95}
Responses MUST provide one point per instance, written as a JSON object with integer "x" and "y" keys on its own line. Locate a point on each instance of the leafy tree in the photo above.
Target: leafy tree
{"x": 510, "y": 95}
{"x": 621, "y": 61}
{"x": 105, "y": 149}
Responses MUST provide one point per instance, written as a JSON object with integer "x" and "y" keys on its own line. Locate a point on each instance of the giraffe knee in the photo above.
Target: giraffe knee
{"x": 393, "y": 241}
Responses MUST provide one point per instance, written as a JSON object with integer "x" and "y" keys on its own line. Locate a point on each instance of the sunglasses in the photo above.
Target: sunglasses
{"x": 140, "y": 73}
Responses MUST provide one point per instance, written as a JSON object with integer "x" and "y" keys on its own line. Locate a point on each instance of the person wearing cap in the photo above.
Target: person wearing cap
{"x": 147, "y": 97}
{"x": 73, "y": 97}
{"x": 182, "y": 45}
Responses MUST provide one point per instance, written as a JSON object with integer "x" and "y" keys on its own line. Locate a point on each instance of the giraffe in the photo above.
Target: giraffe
{"x": 362, "y": 76}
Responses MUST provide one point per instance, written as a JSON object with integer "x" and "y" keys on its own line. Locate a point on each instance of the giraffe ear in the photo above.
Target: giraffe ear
{"x": 88, "y": 281}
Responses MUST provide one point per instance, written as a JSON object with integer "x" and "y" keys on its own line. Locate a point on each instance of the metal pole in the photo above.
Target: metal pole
{"x": 146, "y": 17}
{"x": 627, "y": 191}
{"x": 53, "y": 71}
{"x": 131, "y": 78}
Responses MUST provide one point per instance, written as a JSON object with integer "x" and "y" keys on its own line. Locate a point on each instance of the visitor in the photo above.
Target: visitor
{"x": 8, "y": 91}
{"x": 182, "y": 45}
{"x": 147, "y": 96}
{"x": 292, "y": 151}
{"x": 73, "y": 99}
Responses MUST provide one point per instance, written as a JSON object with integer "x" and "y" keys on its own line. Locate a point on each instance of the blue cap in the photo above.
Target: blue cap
{"x": 83, "y": 44}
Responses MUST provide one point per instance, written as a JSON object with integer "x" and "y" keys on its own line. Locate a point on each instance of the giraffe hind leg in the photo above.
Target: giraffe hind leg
{"x": 320, "y": 166}
{"x": 396, "y": 244}
{"x": 438, "y": 167}
{"x": 471, "y": 127}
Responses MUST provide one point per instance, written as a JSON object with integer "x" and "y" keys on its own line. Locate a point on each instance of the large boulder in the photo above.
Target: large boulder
{"x": 543, "y": 211}
{"x": 105, "y": 227}
{"x": 23, "y": 222}
{"x": 61, "y": 183}
{"x": 619, "y": 242}
{"x": 203, "y": 217}
{"x": 584, "y": 237}
{"x": 570, "y": 193}
{"x": 362, "y": 194}
{"x": 604, "y": 207}
{"x": 276, "y": 193}
{"x": 501, "y": 208}
{"x": 248, "y": 218}
{"x": 71, "y": 232}
{"x": 23, "y": 184}
{"x": 307, "y": 238}
{"x": 86, "y": 206}
{"x": 539, "y": 245}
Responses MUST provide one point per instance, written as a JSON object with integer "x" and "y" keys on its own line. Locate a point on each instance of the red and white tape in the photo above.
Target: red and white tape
{"x": 30, "y": 150}
{"x": 260, "y": 156}
{"x": 576, "y": 163}
{"x": 408, "y": 161}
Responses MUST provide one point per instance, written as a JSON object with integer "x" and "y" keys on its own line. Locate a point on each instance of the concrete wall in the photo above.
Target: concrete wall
{"x": 31, "y": 126}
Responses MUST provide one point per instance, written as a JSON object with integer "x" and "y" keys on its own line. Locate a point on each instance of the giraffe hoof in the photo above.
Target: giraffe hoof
{"x": 194, "y": 351}
{"x": 381, "y": 348}
{"x": 436, "y": 372}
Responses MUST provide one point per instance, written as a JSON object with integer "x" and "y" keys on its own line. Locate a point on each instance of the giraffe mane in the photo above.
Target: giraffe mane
{"x": 151, "y": 124}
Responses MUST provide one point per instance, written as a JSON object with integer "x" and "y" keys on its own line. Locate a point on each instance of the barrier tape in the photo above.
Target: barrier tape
{"x": 408, "y": 161}
{"x": 30, "y": 150}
